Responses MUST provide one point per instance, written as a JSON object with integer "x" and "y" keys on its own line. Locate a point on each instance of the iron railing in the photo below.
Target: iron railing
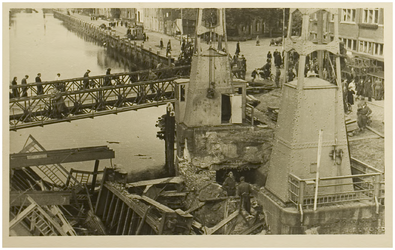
{"x": 80, "y": 98}
{"x": 335, "y": 190}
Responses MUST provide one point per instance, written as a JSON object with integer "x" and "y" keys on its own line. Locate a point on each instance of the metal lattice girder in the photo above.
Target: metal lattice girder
{"x": 42, "y": 198}
{"x": 20, "y": 160}
{"x": 54, "y": 174}
{"x": 77, "y": 102}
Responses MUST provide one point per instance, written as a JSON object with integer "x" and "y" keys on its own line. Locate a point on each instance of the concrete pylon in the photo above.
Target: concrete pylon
{"x": 308, "y": 105}
{"x": 211, "y": 98}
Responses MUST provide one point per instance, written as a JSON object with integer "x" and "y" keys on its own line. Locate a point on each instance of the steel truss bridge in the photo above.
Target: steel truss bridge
{"x": 79, "y": 98}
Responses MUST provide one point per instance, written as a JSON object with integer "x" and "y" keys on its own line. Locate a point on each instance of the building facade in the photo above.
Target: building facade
{"x": 362, "y": 31}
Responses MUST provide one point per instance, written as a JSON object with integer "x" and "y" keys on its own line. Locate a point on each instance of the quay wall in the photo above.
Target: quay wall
{"x": 142, "y": 58}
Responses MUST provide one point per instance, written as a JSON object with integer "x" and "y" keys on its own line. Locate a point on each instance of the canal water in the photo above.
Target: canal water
{"x": 41, "y": 44}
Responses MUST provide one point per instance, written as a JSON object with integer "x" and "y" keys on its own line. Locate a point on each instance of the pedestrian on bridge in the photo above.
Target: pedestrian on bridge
{"x": 24, "y": 83}
{"x": 60, "y": 86}
{"x": 40, "y": 89}
{"x": 107, "y": 78}
{"x": 86, "y": 79}
{"x": 14, "y": 84}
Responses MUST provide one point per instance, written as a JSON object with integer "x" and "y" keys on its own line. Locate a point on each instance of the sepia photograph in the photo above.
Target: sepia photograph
{"x": 144, "y": 119}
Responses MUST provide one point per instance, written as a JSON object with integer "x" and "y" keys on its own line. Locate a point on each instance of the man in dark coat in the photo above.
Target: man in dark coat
{"x": 86, "y": 79}
{"x": 168, "y": 49}
{"x": 229, "y": 185}
{"x": 269, "y": 56}
{"x": 367, "y": 89}
{"x": 161, "y": 43}
{"x": 277, "y": 59}
{"x": 363, "y": 113}
{"x": 15, "y": 91}
{"x": 23, "y": 83}
{"x": 107, "y": 78}
{"x": 244, "y": 191}
{"x": 237, "y": 48}
{"x": 40, "y": 89}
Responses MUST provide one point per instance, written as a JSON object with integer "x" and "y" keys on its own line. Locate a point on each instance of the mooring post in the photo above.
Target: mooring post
{"x": 94, "y": 176}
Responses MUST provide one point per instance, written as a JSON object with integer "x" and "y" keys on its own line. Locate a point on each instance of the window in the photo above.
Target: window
{"x": 371, "y": 48}
{"x": 350, "y": 44}
{"x": 257, "y": 26}
{"x": 348, "y": 15}
{"x": 370, "y": 16}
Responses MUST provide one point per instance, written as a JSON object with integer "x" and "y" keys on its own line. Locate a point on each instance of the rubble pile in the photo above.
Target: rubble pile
{"x": 195, "y": 177}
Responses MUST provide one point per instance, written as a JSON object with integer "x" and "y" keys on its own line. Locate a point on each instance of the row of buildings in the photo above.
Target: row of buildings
{"x": 361, "y": 29}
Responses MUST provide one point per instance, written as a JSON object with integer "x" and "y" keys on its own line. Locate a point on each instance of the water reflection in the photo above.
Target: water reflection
{"x": 44, "y": 45}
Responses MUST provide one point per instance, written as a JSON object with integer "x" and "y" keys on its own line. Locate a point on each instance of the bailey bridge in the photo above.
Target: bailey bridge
{"x": 102, "y": 95}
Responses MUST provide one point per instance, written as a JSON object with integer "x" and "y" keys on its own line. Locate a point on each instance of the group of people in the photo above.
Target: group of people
{"x": 185, "y": 57}
{"x": 239, "y": 62}
{"x": 168, "y": 47}
{"x": 361, "y": 89}
{"x": 22, "y": 91}
{"x": 242, "y": 190}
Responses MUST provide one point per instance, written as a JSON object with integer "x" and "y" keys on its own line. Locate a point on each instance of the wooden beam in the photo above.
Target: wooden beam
{"x": 364, "y": 138}
{"x": 19, "y": 160}
{"x": 375, "y": 131}
{"x": 223, "y": 223}
{"x": 127, "y": 219}
{"x": 142, "y": 221}
{"x": 121, "y": 219}
{"x": 95, "y": 171}
{"x": 252, "y": 228}
{"x": 170, "y": 180}
{"x": 42, "y": 198}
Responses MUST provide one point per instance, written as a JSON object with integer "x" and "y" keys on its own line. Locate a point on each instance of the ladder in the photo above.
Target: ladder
{"x": 45, "y": 220}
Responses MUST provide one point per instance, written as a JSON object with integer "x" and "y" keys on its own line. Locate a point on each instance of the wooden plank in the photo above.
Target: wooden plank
{"x": 132, "y": 222}
{"x": 19, "y": 160}
{"x": 105, "y": 203}
{"x": 170, "y": 180}
{"x": 173, "y": 194}
{"x": 94, "y": 177}
{"x": 42, "y": 198}
{"x": 137, "y": 206}
{"x": 375, "y": 131}
{"x": 127, "y": 221}
{"x": 252, "y": 228}
{"x": 158, "y": 205}
{"x": 199, "y": 205}
{"x": 115, "y": 213}
{"x": 142, "y": 221}
{"x": 364, "y": 138}
{"x": 110, "y": 209}
{"x": 223, "y": 223}
{"x": 121, "y": 219}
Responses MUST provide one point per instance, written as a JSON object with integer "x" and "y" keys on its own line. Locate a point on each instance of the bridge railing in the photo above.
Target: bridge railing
{"x": 82, "y": 83}
{"x": 334, "y": 190}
